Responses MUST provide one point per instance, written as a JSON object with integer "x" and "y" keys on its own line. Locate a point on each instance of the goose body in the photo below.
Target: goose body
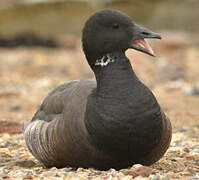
{"x": 112, "y": 121}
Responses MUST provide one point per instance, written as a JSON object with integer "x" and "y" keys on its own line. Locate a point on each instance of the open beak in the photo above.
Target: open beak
{"x": 138, "y": 41}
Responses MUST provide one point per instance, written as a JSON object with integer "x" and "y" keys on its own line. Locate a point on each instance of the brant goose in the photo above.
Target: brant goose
{"x": 111, "y": 122}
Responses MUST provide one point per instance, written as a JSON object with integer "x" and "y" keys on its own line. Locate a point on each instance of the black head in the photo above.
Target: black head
{"x": 110, "y": 31}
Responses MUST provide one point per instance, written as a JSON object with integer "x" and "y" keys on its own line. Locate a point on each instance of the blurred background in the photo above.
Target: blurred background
{"x": 40, "y": 48}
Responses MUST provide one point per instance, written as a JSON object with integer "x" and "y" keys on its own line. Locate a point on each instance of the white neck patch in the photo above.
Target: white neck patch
{"x": 104, "y": 61}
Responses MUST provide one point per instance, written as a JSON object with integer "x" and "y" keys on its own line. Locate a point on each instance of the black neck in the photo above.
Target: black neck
{"x": 115, "y": 77}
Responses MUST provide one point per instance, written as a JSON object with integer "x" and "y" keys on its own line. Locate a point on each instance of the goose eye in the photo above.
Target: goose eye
{"x": 115, "y": 26}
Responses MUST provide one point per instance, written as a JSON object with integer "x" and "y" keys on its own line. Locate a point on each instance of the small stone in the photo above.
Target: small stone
{"x": 197, "y": 175}
{"x": 27, "y": 177}
{"x": 166, "y": 178}
{"x": 140, "y": 170}
{"x": 79, "y": 169}
{"x": 54, "y": 174}
{"x": 15, "y": 107}
{"x": 53, "y": 169}
{"x": 182, "y": 130}
{"x": 65, "y": 174}
{"x": 172, "y": 175}
{"x": 192, "y": 90}
{"x": 140, "y": 178}
{"x": 68, "y": 169}
{"x": 29, "y": 172}
{"x": 137, "y": 166}
{"x": 125, "y": 171}
{"x": 186, "y": 150}
{"x": 194, "y": 152}
{"x": 186, "y": 173}
{"x": 5, "y": 176}
{"x": 8, "y": 143}
{"x": 24, "y": 163}
{"x": 154, "y": 177}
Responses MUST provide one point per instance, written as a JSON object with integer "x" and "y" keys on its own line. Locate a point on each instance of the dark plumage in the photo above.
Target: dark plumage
{"x": 113, "y": 123}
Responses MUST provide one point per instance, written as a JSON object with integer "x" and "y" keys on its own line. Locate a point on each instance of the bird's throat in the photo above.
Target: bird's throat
{"x": 114, "y": 76}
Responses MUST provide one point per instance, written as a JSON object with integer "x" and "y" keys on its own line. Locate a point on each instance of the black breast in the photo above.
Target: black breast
{"x": 128, "y": 126}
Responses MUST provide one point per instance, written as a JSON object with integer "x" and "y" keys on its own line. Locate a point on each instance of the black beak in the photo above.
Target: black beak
{"x": 138, "y": 42}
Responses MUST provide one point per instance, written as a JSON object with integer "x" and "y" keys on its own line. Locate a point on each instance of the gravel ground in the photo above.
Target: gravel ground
{"x": 27, "y": 75}
{"x": 180, "y": 162}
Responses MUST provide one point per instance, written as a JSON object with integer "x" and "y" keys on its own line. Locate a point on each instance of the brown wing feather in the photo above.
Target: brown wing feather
{"x": 54, "y": 103}
{"x": 57, "y": 135}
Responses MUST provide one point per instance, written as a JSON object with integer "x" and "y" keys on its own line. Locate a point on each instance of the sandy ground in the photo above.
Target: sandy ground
{"x": 28, "y": 74}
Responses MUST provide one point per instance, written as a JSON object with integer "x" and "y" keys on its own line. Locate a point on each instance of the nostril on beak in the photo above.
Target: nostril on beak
{"x": 145, "y": 33}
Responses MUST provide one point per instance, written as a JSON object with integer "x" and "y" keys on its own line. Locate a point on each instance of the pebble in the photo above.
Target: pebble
{"x": 140, "y": 170}
{"x": 140, "y": 178}
{"x": 165, "y": 178}
{"x": 15, "y": 108}
{"x": 182, "y": 130}
{"x": 194, "y": 152}
{"x": 186, "y": 150}
{"x": 196, "y": 175}
{"x": 54, "y": 174}
{"x": 192, "y": 90}
{"x": 8, "y": 143}
{"x": 65, "y": 174}
{"x": 27, "y": 177}
{"x": 28, "y": 172}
